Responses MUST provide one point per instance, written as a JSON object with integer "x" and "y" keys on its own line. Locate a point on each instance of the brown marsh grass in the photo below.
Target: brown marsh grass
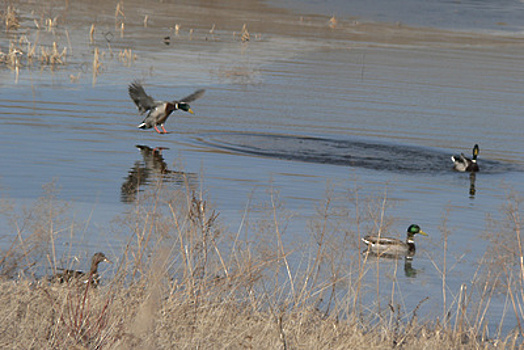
{"x": 10, "y": 18}
{"x": 37, "y": 42}
{"x": 182, "y": 280}
{"x": 28, "y": 46}
{"x": 22, "y": 52}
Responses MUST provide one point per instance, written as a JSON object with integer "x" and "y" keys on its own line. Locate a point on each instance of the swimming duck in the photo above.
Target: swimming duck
{"x": 74, "y": 275}
{"x": 462, "y": 163}
{"x": 159, "y": 111}
{"x": 392, "y": 247}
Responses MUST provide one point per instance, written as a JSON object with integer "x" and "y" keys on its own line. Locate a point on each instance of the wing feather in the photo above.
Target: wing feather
{"x": 193, "y": 96}
{"x": 143, "y": 101}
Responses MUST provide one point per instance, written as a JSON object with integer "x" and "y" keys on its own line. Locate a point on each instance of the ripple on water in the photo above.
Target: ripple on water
{"x": 360, "y": 153}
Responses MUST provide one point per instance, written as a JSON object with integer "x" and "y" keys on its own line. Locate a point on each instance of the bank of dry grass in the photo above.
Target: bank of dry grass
{"x": 184, "y": 281}
{"x": 140, "y": 317}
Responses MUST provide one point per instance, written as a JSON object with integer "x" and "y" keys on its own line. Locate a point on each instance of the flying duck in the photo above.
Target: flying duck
{"x": 392, "y": 247}
{"x": 159, "y": 111}
{"x": 462, "y": 163}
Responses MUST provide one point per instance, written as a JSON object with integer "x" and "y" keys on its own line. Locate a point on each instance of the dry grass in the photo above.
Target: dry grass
{"x": 53, "y": 56}
{"x": 38, "y": 42}
{"x": 10, "y": 18}
{"x": 127, "y": 57}
{"x": 97, "y": 65}
{"x": 120, "y": 18}
{"x": 183, "y": 281}
{"x": 22, "y": 53}
{"x": 28, "y": 46}
{"x": 244, "y": 34}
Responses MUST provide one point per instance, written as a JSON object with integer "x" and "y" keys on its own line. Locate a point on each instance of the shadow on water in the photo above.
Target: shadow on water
{"x": 150, "y": 169}
{"x": 355, "y": 153}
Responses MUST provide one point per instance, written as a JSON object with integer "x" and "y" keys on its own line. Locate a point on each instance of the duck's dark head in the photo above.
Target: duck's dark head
{"x": 98, "y": 258}
{"x": 475, "y": 153}
{"x": 413, "y": 230}
{"x": 185, "y": 107}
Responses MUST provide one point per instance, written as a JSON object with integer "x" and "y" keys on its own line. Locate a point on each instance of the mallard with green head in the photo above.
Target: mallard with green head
{"x": 462, "y": 163}
{"x": 159, "y": 111}
{"x": 92, "y": 276}
{"x": 392, "y": 247}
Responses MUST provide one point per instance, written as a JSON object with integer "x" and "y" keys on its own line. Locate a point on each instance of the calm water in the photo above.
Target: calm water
{"x": 479, "y": 15}
{"x": 292, "y": 111}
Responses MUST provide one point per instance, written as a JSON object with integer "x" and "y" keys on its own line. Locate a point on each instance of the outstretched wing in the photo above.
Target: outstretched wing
{"x": 193, "y": 96}
{"x": 464, "y": 159}
{"x": 143, "y": 101}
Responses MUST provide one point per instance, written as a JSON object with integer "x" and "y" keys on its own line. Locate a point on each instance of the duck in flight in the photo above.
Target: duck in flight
{"x": 158, "y": 111}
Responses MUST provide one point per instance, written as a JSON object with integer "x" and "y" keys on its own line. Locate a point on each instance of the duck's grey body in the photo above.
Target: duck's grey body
{"x": 389, "y": 246}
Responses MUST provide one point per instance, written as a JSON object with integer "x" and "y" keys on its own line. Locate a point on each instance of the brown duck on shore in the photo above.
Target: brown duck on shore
{"x": 92, "y": 276}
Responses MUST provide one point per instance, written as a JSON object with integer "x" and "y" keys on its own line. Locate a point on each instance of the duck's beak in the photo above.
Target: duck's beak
{"x": 108, "y": 261}
{"x": 190, "y": 111}
{"x": 422, "y": 233}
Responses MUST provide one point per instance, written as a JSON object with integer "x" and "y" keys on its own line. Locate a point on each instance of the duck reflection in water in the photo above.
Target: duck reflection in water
{"x": 472, "y": 190}
{"x": 409, "y": 271}
{"x": 151, "y": 168}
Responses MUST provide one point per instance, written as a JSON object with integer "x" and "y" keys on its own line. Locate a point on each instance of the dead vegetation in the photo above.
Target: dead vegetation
{"x": 23, "y": 53}
{"x": 127, "y": 57}
{"x": 120, "y": 18}
{"x": 39, "y": 46}
{"x": 36, "y": 42}
{"x": 10, "y": 18}
{"x": 182, "y": 280}
{"x": 53, "y": 56}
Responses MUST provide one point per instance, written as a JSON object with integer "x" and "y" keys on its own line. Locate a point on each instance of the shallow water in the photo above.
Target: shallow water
{"x": 299, "y": 108}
